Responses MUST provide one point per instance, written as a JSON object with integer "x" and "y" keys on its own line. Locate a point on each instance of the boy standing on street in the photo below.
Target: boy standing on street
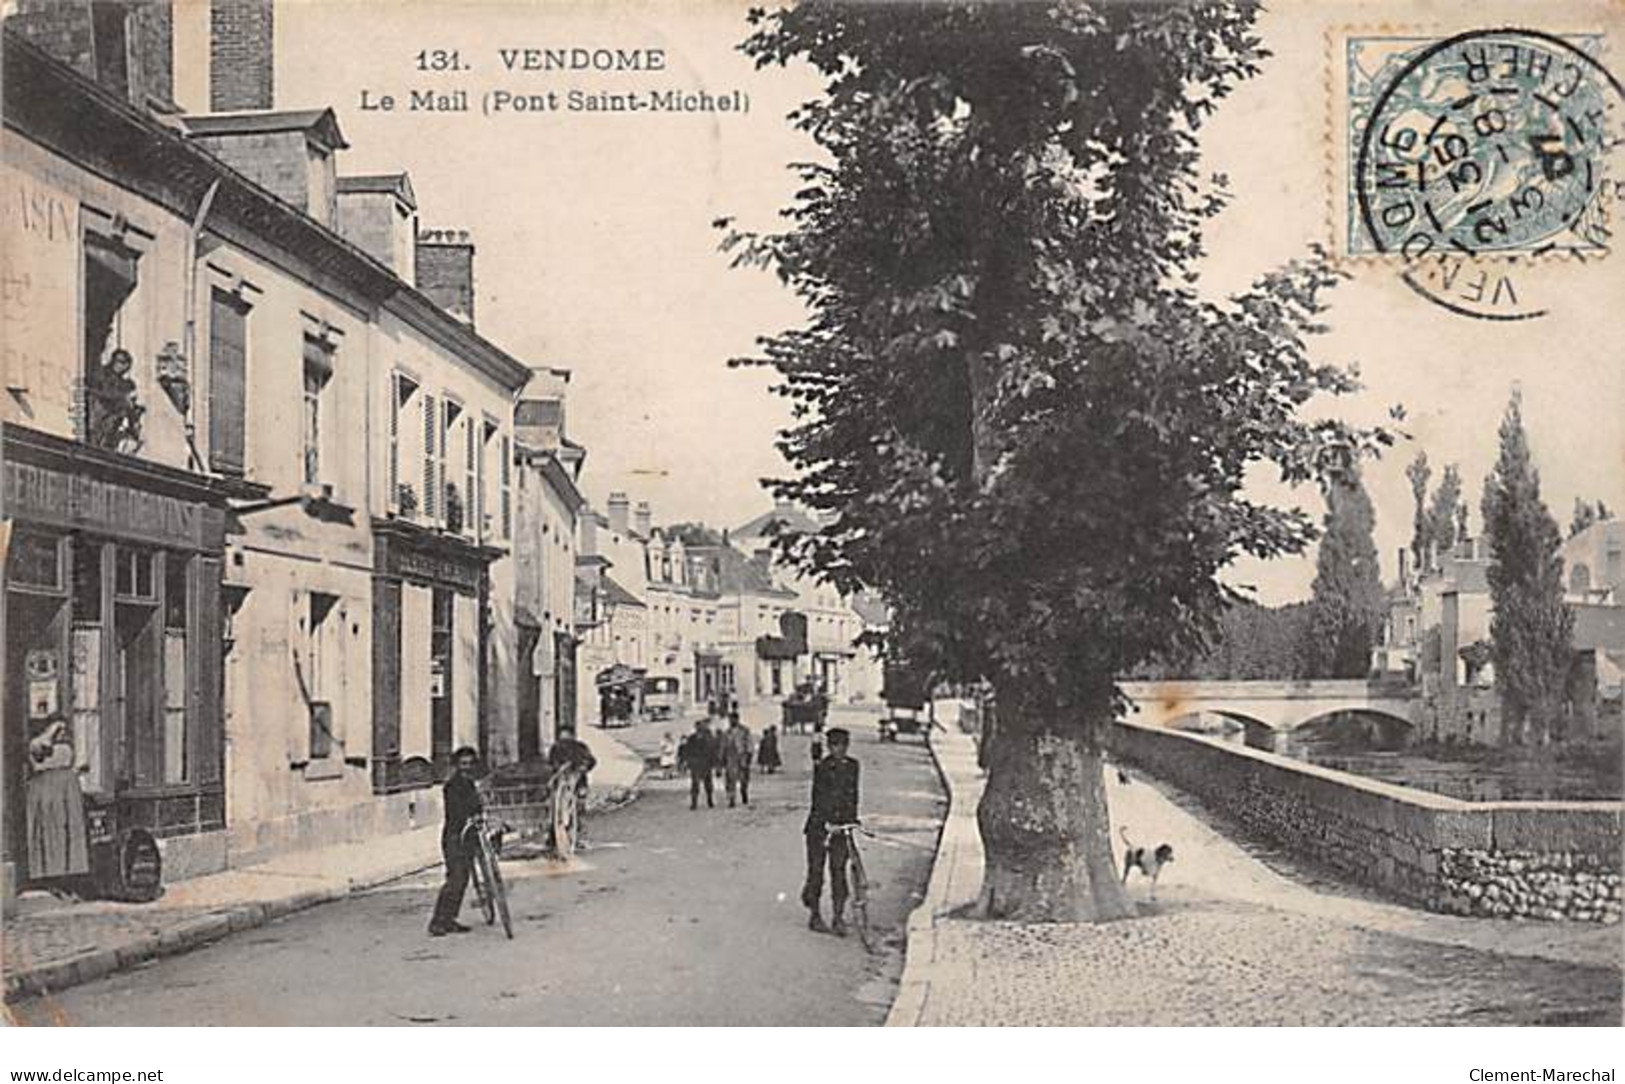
{"x": 834, "y": 801}
{"x": 462, "y": 802}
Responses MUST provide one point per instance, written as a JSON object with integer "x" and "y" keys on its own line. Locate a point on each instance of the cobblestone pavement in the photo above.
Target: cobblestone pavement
{"x": 1234, "y": 965}
{"x": 1234, "y": 940}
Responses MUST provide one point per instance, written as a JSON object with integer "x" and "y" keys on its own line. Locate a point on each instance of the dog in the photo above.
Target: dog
{"x": 1146, "y": 861}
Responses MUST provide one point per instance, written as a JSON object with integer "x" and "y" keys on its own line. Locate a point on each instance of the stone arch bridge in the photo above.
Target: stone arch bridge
{"x": 1275, "y": 707}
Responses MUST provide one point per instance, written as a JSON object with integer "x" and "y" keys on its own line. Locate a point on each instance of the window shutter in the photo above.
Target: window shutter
{"x": 471, "y": 500}
{"x": 228, "y": 357}
{"x": 392, "y": 496}
{"x": 431, "y": 489}
{"x": 507, "y": 498}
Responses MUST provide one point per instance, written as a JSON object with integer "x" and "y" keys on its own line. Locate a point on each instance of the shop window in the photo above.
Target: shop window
{"x": 175, "y": 767}
{"x": 35, "y": 561}
{"x": 132, "y": 574}
{"x": 318, "y": 377}
{"x": 112, "y": 415}
{"x": 85, "y": 662}
{"x": 228, "y": 379}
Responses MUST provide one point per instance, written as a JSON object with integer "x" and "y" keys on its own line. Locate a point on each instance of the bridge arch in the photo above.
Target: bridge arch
{"x": 1379, "y": 727}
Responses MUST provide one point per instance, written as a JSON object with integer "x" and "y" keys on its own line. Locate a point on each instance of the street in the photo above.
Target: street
{"x": 670, "y": 917}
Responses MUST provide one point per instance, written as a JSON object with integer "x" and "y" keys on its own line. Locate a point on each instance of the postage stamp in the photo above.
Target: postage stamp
{"x": 1486, "y": 142}
{"x": 1468, "y": 155}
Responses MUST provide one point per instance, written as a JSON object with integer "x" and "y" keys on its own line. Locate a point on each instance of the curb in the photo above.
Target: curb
{"x": 920, "y": 953}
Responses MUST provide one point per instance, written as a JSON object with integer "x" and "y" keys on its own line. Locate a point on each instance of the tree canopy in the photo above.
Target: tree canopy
{"x": 1030, "y": 427}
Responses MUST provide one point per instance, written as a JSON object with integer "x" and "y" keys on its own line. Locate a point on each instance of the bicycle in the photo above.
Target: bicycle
{"x": 483, "y": 848}
{"x": 566, "y": 814}
{"x": 858, "y": 880}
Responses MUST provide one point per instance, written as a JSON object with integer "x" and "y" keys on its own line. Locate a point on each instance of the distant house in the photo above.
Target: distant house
{"x": 1437, "y": 634}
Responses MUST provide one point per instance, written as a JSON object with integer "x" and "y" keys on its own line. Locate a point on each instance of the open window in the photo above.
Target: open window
{"x": 318, "y": 428}
{"x": 112, "y": 412}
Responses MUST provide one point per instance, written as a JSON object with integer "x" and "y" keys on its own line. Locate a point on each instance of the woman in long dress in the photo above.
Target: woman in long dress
{"x": 58, "y": 845}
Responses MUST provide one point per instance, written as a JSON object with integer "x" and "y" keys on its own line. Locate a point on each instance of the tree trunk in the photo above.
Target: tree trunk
{"x": 1044, "y": 823}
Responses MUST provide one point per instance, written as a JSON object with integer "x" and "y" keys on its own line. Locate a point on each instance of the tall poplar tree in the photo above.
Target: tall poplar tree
{"x": 1531, "y": 631}
{"x": 1025, "y": 428}
{"x": 1346, "y": 607}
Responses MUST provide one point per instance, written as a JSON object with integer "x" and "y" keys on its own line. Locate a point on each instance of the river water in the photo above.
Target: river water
{"x": 1474, "y": 774}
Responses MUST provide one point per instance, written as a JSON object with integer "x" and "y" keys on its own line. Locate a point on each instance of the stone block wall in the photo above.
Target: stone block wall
{"x": 1546, "y": 860}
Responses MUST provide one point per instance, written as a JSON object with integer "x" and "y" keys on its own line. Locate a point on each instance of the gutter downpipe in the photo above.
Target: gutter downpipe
{"x": 193, "y": 235}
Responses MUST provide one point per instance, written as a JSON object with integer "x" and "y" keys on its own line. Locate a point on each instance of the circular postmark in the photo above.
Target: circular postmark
{"x": 1483, "y": 153}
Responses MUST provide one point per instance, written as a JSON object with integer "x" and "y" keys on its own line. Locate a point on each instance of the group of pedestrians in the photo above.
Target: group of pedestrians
{"x": 730, "y": 751}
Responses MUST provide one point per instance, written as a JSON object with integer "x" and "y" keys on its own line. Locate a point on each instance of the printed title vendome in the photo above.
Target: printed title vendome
{"x": 578, "y": 59}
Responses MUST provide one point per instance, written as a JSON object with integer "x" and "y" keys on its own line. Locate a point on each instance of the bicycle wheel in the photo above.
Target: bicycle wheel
{"x": 481, "y": 870}
{"x": 564, "y": 819}
{"x": 860, "y": 899}
{"x": 498, "y": 892}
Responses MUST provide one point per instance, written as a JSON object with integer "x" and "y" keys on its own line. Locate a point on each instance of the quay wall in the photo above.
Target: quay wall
{"x": 1558, "y": 861}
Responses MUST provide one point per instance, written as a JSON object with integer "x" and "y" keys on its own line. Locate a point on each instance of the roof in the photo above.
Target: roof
{"x": 584, "y": 560}
{"x": 871, "y": 607}
{"x": 52, "y": 105}
{"x": 323, "y": 124}
{"x": 789, "y": 515}
{"x": 398, "y": 185}
{"x": 616, "y": 595}
{"x": 738, "y": 574}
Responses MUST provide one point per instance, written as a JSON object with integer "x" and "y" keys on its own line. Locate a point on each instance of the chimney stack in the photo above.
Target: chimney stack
{"x": 642, "y": 519}
{"x": 379, "y": 215}
{"x": 127, "y": 48}
{"x": 445, "y": 271}
{"x": 240, "y": 57}
{"x": 620, "y": 509}
{"x": 292, "y": 153}
{"x": 1404, "y": 568}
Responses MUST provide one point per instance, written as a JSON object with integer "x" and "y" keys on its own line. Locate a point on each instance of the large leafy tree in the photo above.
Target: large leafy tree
{"x": 1027, "y": 428}
{"x": 1531, "y": 631}
{"x": 1347, "y": 600}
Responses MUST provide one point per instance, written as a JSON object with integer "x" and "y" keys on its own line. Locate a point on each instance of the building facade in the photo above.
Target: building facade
{"x": 260, "y": 469}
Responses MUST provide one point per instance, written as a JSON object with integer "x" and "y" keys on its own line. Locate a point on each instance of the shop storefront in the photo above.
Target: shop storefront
{"x": 113, "y": 633}
{"x": 431, "y": 630}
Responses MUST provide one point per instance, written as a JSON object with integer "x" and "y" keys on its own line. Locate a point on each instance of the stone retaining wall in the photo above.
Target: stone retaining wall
{"x": 1547, "y": 860}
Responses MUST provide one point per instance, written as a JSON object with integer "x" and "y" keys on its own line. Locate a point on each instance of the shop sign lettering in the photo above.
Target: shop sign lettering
{"x": 35, "y": 493}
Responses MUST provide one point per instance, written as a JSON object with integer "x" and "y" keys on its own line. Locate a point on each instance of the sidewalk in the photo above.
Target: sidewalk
{"x": 1228, "y": 941}
{"x": 51, "y": 945}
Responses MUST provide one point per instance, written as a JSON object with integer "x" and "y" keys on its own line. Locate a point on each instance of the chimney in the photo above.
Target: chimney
{"x": 445, "y": 271}
{"x": 379, "y": 215}
{"x": 538, "y": 417}
{"x": 240, "y": 56}
{"x": 1404, "y": 568}
{"x": 642, "y": 519}
{"x": 589, "y": 532}
{"x": 128, "y": 46}
{"x": 292, "y": 154}
{"x": 620, "y": 509}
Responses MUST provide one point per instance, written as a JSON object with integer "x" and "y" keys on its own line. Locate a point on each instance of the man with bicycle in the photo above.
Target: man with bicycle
{"x": 462, "y": 802}
{"x": 834, "y": 801}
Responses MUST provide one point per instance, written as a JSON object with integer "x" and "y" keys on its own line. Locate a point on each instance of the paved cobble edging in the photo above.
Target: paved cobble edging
{"x": 55, "y": 976}
{"x": 956, "y": 873}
